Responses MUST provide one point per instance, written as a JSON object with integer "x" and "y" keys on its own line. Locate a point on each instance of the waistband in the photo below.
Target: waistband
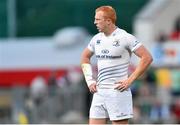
{"x": 106, "y": 86}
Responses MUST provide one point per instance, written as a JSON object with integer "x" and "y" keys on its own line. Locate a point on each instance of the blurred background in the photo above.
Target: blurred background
{"x": 40, "y": 46}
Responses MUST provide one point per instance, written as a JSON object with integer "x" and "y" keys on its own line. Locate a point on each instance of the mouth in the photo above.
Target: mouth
{"x": 97, "y": 28}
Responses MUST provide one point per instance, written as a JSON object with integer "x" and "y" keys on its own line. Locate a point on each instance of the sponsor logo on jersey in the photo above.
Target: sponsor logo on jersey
{"x": 105, "y": 51}
{"x": 108, "y": 57}
{"x": 98, "y": 42}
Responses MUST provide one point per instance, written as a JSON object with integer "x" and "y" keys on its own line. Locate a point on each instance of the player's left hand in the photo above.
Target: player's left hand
{"x": 122, "y": 85}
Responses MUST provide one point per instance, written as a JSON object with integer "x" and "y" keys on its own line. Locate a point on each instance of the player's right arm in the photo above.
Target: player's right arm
{"x": 87, "y": 69}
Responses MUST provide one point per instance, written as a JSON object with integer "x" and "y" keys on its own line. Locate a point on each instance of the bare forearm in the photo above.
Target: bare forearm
{"x": 87, "y": 68}
{"x": 141, "y": 68}
{"x": 85, "y": 57}
{"x": 85, "y": 60}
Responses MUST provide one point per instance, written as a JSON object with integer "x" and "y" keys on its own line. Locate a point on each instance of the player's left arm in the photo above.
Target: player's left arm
{"x": 145, "y": 61}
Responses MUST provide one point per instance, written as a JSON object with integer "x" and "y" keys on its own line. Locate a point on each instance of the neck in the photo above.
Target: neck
{"x": 110, "y": 30}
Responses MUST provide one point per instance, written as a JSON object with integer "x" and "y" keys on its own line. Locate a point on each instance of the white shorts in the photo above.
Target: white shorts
{"x": 112, "y": 104}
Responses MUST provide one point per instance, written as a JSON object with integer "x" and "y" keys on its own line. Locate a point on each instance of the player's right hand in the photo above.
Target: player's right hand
{"x": 92, "y": 88}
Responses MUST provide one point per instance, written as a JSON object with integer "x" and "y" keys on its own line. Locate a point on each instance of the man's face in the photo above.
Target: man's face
{"x": 100, "y": 21}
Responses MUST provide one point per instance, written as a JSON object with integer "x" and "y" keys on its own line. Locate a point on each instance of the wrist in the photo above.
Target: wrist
{"x": 88, "y": 73}
{"x": 90, "y": 82}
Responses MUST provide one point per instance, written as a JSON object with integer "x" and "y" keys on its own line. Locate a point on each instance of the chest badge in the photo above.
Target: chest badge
{"x": 116, "y": 43}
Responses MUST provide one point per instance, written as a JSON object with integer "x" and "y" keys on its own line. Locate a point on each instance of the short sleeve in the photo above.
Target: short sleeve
{"x": 133, "y": 43}
{"x": 91, "y": 45}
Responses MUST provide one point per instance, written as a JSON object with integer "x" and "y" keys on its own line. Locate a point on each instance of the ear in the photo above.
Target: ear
{"x": 109, "y": 21}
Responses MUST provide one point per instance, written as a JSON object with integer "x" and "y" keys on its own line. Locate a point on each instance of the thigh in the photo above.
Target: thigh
{"x": 97, "y": 121}
{"x": 119, "y": 106}
{"x": 98, "y": 109}
{"x": 119, "y": 122}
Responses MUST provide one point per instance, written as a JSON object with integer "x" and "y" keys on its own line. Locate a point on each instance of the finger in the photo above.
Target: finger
{"x": 93, "y": 89}
{"x": 117, "y": 85}
{"x": 118, "y": 82}
{"x": 122, "y": 87}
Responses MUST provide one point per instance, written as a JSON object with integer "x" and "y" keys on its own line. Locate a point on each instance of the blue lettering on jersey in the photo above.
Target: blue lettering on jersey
{"x": 108, "y": 57}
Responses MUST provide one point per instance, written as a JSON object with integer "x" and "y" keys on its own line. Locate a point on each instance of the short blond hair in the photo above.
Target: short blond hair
{"x": 109, "y": 12}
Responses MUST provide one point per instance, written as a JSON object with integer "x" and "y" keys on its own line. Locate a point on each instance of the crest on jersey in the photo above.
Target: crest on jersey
{"x": 116, "y": 43}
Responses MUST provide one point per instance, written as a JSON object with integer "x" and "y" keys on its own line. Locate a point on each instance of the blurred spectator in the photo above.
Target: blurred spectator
{"x": 150, "y": 75}
{"x": 145, "y": 99}
{"x": 135, "y": 87}
{"x": 74, "y": 75}
{"x": 175, "y": 34}
{"x": 150, "y": 78}
{"x": 159, "y": 112}
{"x": 52, "y": 78}
{"x": 176, "y": 110}
{"x": 22, "y": 118}
{"x": 137, "y": 115}
{"x": 52, "y": 82}
{"x": 163, "y": 76}
{"x": 162, "y": 37}
{"x": 38, "y": 89}
{"x": 39, "y": 94}
{"x": 63, "y": 81}
{"x": 175, "y": 86}
{"x": 158, "y": 53}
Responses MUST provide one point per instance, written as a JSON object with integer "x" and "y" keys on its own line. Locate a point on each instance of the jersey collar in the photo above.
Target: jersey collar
{"x": 113, "y": 33}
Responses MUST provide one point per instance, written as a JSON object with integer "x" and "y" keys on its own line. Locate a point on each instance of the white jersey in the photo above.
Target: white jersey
{"x": 113, "y": 56}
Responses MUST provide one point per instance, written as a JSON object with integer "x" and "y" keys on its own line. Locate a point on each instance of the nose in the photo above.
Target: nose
{"x": 95, "y": 21}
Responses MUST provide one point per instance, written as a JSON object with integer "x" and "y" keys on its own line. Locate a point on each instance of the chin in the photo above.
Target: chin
{"x": 99, "y": 30}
